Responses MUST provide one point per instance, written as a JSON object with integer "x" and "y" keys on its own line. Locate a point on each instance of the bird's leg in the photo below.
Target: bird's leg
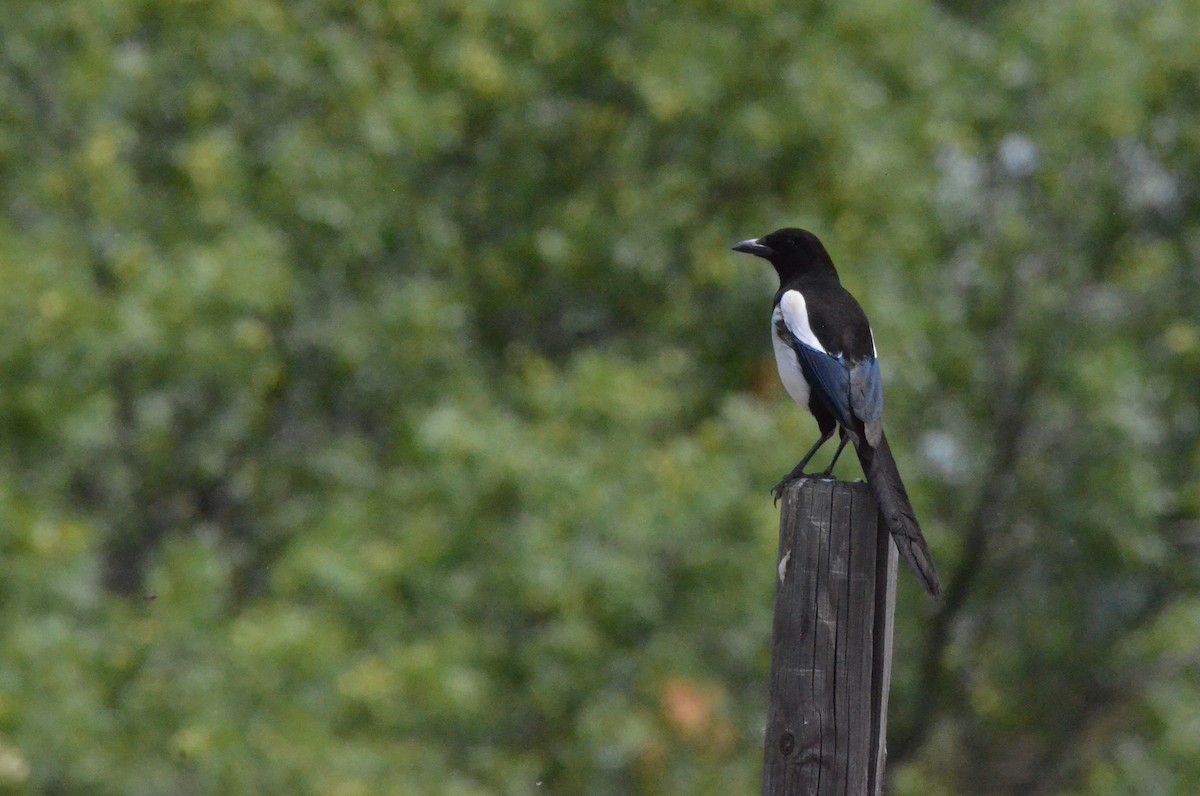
{"x": 841, "y": 446}
{"x": 798, "y": 470}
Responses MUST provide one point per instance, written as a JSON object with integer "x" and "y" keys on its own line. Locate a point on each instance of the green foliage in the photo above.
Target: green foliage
{"x": 384, "y": 412}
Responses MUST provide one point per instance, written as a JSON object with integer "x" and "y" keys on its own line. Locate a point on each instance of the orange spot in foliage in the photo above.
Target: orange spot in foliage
{"x": 687, "y": 706}
{"x": 693, "y": 709}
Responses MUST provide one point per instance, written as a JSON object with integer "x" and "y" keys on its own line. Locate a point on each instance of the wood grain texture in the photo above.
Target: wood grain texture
{"x": 831, "y": 643}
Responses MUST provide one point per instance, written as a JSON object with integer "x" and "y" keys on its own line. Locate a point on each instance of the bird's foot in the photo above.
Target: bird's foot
{"x": 778, "y": 490}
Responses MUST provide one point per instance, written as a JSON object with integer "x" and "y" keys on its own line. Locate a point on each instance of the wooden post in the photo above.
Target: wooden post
{"x": 831, "y": 650}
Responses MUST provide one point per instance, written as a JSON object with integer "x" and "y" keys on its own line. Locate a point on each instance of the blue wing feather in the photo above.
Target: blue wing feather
{"x": 849, "y": 391}
{"x": 830, "y": 377}
{"x": 866, "y": 390}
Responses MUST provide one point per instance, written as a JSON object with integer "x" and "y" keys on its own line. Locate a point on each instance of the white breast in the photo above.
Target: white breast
{"x": 789, "y": 366}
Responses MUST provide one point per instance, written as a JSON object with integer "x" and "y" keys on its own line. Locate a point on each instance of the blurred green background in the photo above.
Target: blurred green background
{"x": 384, "y": 412}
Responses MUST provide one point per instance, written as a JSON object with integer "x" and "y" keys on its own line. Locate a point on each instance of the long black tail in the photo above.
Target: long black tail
{"x": 884, "y": 478}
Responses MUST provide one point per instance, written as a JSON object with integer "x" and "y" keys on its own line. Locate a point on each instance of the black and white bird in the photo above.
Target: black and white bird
{"x": 825, "y": 352}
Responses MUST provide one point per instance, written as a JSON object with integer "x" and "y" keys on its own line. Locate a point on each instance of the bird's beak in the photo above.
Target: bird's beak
{"x": 754, "y": 246}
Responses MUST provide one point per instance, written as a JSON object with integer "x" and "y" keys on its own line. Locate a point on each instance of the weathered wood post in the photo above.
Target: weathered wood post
{"x": 831, "y": 649}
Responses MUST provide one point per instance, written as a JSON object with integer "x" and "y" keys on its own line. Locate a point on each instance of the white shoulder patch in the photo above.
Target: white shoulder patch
{"x": 795, "y": 314}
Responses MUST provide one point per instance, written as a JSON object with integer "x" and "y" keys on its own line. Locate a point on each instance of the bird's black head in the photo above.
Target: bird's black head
{"x": 792, "y": 251}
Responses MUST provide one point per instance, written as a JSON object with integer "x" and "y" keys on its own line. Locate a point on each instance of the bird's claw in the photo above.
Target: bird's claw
{"x": 778, "y": 490}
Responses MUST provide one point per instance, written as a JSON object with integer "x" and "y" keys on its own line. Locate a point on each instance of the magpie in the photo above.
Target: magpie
{"x": 825, "y": 352}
